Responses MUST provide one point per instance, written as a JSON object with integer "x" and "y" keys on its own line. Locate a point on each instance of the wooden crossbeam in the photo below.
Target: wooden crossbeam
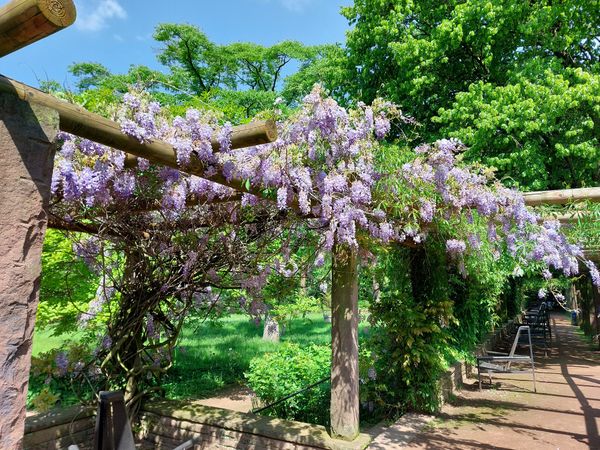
{"x": 562, "y": 196}
{"x": 572, "y": 217}
{"x": 23, "y": 22}
{"x": 80, "y": 122}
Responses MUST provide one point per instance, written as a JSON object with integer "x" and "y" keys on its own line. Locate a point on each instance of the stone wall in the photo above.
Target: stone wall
{"x": 26, "y": 136}
{"x": 166, "y": 424}
{"x": 57, "y": 429}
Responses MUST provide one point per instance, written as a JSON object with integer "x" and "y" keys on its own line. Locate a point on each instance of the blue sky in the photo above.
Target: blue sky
{"x": 118, "y": 33}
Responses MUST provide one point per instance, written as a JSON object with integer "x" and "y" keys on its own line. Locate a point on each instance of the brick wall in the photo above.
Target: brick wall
{"x": 57, "y": 429}
{"x": 166, "y": 424}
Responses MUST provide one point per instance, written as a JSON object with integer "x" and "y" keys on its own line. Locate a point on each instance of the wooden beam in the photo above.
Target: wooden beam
{"x": 23, "y": 22}
{"x": 561, "y": 197}
{"x": 592, "y": 254}
{"x": 344, "y": 344}
{"x": 572, "y": 217}
{"x": 78, "y": 121}
{"x": 247, "y": 135}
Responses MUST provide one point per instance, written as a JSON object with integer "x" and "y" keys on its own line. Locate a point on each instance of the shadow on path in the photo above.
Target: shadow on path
{"x": 563, "y": 414}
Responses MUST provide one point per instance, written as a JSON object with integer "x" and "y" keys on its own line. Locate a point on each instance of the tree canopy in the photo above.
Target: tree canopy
{"x": 517, "y": 82}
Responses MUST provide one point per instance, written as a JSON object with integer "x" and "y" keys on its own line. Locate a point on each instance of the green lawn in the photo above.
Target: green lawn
{"x": 214, "y": 355}
{"x": 44, "y": 341}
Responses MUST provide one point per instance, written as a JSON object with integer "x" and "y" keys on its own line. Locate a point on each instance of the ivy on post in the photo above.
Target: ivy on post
{"x": 344, "y": 344}
{"x": 26, "y": 136}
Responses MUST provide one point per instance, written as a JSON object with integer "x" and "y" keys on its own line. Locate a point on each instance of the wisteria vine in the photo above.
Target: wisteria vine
{"x": 322, "y": 170}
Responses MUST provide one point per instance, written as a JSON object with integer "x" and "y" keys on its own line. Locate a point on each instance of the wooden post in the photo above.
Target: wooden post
{"x": 23, "y": 22}
{"x": 26, "y": 136}
{"x": 344, "y": 344}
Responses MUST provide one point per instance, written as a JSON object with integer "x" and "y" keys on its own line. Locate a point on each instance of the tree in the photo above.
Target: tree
{"x": 515, "y": 81}
{"x": 327, "y": 68}
{"x": 99, "y": 90}
{"x": 240, "y": 79}
{"x": 193, "y": 59}
{"x": 191, "y": 56}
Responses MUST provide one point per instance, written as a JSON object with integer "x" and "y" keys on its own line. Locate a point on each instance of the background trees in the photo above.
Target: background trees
{"x": 517, "y": 82}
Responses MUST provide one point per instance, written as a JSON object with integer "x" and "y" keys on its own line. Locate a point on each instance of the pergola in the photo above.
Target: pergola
{"x": 30, "y": 121}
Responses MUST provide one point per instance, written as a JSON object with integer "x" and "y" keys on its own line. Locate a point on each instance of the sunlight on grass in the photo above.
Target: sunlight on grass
{"x": 44, "y": 340}
{"x": 214, "y": 355}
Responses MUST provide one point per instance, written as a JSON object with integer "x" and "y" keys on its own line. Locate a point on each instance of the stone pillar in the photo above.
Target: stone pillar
{"x": 26, "y": 135}
{"x": 344, "y": 344}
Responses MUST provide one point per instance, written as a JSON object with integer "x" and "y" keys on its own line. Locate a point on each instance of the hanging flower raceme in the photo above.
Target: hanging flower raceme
{"x": 323, "y": 168}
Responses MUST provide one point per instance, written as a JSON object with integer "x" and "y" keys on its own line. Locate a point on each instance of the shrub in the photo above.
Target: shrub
{"x": 289, "y": 369}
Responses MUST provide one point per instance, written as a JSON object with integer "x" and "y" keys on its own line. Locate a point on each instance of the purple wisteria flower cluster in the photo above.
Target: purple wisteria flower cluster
{"x": 461, "y": 193}
{"x": 322, "y": 168}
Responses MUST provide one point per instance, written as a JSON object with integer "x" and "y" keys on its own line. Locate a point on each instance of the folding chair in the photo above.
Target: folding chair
{"x": 496, "y": 362}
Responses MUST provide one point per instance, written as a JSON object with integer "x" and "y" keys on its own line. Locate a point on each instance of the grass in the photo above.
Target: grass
{"x": 212, "y": 356}
{"x": 44, "y": 340}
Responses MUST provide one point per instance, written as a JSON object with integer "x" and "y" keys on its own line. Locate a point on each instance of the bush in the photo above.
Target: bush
{"x": 52, "y": 377}
{"x": 291, "y": 368}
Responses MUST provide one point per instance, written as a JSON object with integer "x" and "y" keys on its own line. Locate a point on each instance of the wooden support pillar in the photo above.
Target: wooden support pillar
{"x": 27, "y": 154}
{"x": 344, "y": 344}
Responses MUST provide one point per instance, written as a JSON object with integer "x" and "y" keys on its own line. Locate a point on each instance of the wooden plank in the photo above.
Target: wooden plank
{"x": 562, "y": 196}
{"x": 80, "y": 122}
{"x": 23, "y": 22}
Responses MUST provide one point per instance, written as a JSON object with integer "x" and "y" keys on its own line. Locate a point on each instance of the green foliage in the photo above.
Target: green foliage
{"x": 328, "y": 68}
{"x": 517, "y": 81}
{"x": 199, "y": 65}
{"x": 292, "y": 368}
{"x": 67, "y": 285}
{"x": 99, "y": 90}
{"x": 45, "y": 400}
{"x": 427, "y": 317}
{"x": 238, "y": 80}
{"x": 49, "y": 385}
{"x": 194, "y": 60}
{"x": 300, "y": 305}
{"x": 215, "y": 354}
{"x": 408, "y": 335}
{"x": 543, "y": 132}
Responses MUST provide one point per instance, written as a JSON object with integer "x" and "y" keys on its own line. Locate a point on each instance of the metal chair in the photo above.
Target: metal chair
{"x": 496, "y": 362}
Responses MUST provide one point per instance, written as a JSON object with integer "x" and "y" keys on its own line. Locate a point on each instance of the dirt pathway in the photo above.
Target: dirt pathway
{"x": 234, "y": 399}
{"x": 564, "y": 413}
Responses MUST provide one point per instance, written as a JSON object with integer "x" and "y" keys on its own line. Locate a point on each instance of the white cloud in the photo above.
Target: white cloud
{"x": 98, "y": 18}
